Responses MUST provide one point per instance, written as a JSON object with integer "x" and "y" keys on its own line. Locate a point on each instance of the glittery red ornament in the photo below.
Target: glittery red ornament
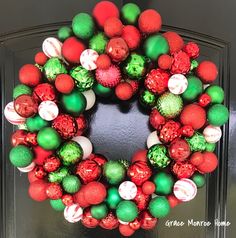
{"x": 51, "y": 164}
{"x": 25, "y": 106}
{"x": 165, "y": 62}
{"x": 126, "y": 230}
{"x": 207, "y": 71}
{"x": 156, "y": 119}
{"x": 134, "y": 84}
{"x": 157, "y": 81}
{"x": 81, "y": 124}
{"x": 135, "y": 225}
{"x": 64, "y": 83}
{"x": 140, "y": 155}
{"x": 204, "y": 100}
{"x": 181, "y": 63}
{"x": 148, "y": 187}
{"x": 148, "y": 222}
{"x": 124, "y": 91}
{"x": 183, "y": 169}
{"x": 103, "y": 61}
{"x": 209, "y": 164}
{"x": 99, "y": 159}
{"x": 192, "y": 49}
{"x": 173, "y": 201}
{"x": 40, "y": 154}
{"x": 110, "y": 222}
{"x": 40, "y": 172}
{"x": 54, "y": 191}
{"x": 31, "y": 176}
{"x": 141, "y": 200}
{"x": 67, "y": 199}
{"x": 169, "y": 131}
{"x": 31, "y": 138}
{"x": 88, "y": 170}
{"x": 113, "y": 27}
{"x": 139, "y": 172}
{"x": 196, "y": 158}
{"x": 44, "y": 92}
{"x": 37, "y": 190}
{"x": 175, "y": 41}
{"x": 18, "y": 138}
{"x": 187, "y": 131}
{"x": 79, "y": 197}
{"x": 87, "y": 219}
{"x": 132, "y": 36}
{"x": 65, "y": 125}
{"x": 40, "y": 58}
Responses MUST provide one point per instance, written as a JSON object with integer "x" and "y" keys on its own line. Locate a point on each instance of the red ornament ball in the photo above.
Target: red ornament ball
{"x": 41, "y": 154}
{"x": 87, "y": 219}
{"x": 140, "y": 155}
{"x": 126, "y": 230}
{"x": 132, "y": 36}
{"x": 39, "y": 172}
{"x": 149, "y": 21}
{"x": 183, "y": 169}
{"x": 187, "y": 131}
{"x": 175, "y": 41}
{"x": 165, "y": 62}
{"x": 103, "y": 61}
{"x": 148, "y": 187}
{"x": 134, "y": 84}
{"x": 99, "y": 159}
{"x": 124, "y": 91}
{"x": 51, "y": 164}
{"x": 18, "y": 138}
{"x": 81, "y": 124}
{"x": 31, "y": 138}
{"x": 207, "y": 71}
{"x": 156, "y": 119}
{"x": 192, "y": 49}
{"x": 30, "y": 75}
{"x": 113, "y": 27}
{"x": 37, "y": 190}
{"x": 64, "y": 83}
{"x": 141, "y": 199}
{"x": 169, "y": 131}
{"x": 32, "y": 178}
{"x": 193, "y": 115}
{"x": 173, "y": 200}
{"x": 181, "y": 63}
{"x": 54, "y": 191}
{"x": 79, "y": 197}
{"x": 148, "y": 222}
{"x": 67, "y": 199}
{"x": 209, "y": 164}
{"x": 40, "y": 58}
{"x": 44, "y": 92}
{"x": 196, "y": 158}
{"x": 204, "y": 100}
{"x": 110, "y": 222}
{"x": 135, "y": 225}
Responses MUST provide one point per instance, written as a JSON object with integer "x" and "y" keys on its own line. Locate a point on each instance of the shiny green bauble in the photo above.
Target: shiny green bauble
{"x": 36, "y": 123}
{"x": 64, "y": 33}
{"x": 74, "y": 103}
{"x": 71, "y": 184}
{"x": 147, "y": 99}
{"x": 113, "y": 197}
{"x": 159, "y": 207}
{"x": 199, "y": 179}
{"x": 216, "y": 93}
{"x": 101, "y": 90}
{"x": 98, "y": 43}
{"x": 194, "y": 65}
{"x": 164, "y": 183}
{"x": 197, "y": 142}
{"x": 57, "y": 176}
{"x": 21, "y": 89}
{"x": 126, "y": 211}
{"x": 130, "y": 13}
{"x": 57, "y": 205}
{"x": 210, "y": 147}
{"x": 217, "y": 115}
{"x": 99, "y": 211}
{"x": 48, "y": 138}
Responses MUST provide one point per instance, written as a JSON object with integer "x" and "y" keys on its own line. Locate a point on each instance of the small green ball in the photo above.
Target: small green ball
{"x": 130, "y": 13}
{"x": 21, "y": 89}
{"x": 155, "y": 45}
{"x": 21, "y": 156}
{"x": 159, "y": 207}
{"x": 48, "y": 138}
{"x": 197, "y": 142}
{"x": 64, "y": 33}
{"x": 210, "y": 147}
{"x": 216, "y": 93}
{"x": 99, "y": 211}
{"x": 199, "y": 179}
{"x": 98, "y": 43}
{"x": 164, "y": 183}
{"x": 217, "y": 115}
{"x": 101, "y": 90}
{"x": 71, "y": 184}
{"x": 83, "y": 26}
{"x": 36, "y": 123}
{"x": 127, "y": 211}
{"x": 113, "y": 197}
{"x": 57, "y": 176}
{"x": 194, "y": 65}
{"x": 147, "y": 99}
{"x": 57, "y": 205}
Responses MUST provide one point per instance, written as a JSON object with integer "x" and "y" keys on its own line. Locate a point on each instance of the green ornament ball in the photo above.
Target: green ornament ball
{"x": 114, "y": 172}
{"x": 101, "y": 90}
{"x": 99, "y": 211}
{"x": 98, "y": 43}
{"x": 126, "y": 211}
{"x": 155, "y": 46}
{"x": 194, "y": 89}
{"x": 36, "y": 123}
{"x": 164, "y": 183}
{"x": 71, "y": 184}
{"x": 83, "y": 26}
{"x": 197, "y": 142}
{"x": 57, "y": 205}
{"x": 217, "y": 115}
{"x": 74, "y": 103}
{"x": 157, "y": 156}
{"x": 21, "y": 156}
{"x": 147, "y": 99}
{"x": 216, "y": 93}
{"x": 125, "y": 162}
{"x": 48, "y": 138}
{"x": 159, "y": 207}
{"x": 64, "y": 33}
{"x": 59, "y": 175}
{"x": 21, "y": 89}
{"x": 70, "y": 152}
{"x": 130, "y": 13}
{"x": 113, "y": 198}
{"x": 84, "y": 79}
{"x": 194, "y": 65}
{"x": 169, "y": 105}
{"x": 210, "y": 147}
{"x": 199, "y": 179}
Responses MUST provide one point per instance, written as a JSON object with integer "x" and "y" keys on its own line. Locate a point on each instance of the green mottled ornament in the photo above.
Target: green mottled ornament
{"x": 52, "y": 68}
{"x": 217, "y": 115}
{"x": 21, "y": 89}
{"x": 135, "y": 66}
{"x": 21, "y": 156}
{"x": 64, "y": 33}
{"x": 169, "y": 105}
{"x": 157, "y": 156}
{"x": 216, "y": 93}
{"x": 155, "y": 45}
{"x": 84, "y": 79}
{"x": 57, "y": 176}
{"x": 70, "y": 152}
{"x": 210, "y": 147}
{"x": 57, "y": 205}
{"x": 125, "y": 162}
{"x": 159, "y": 207}
{"x": 147, "y": 98}
{"x": 130, "y": 13}
{"x": 113, "y": 197}
{"x": 114, "y": 172}
{"x": 197, "y": 142}
{"x": 101, "y": 90}
{"x": 99, "y": 211}
{"x": 36, "y": 123}
{"x": 194, "y": 65}
{"x": 98, "y": 43}
{"x": 164, "y": 183}
{"x": 126, "y": 211}
{"x": 71, "y": 184}
{"x": 199, "y": 179}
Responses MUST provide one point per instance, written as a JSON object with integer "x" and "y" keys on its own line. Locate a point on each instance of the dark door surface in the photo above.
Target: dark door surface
{"x": 23, "y": 26}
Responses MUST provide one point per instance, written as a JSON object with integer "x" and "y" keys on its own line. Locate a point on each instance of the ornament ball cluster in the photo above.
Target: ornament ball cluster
{"x": 116, "y": 54}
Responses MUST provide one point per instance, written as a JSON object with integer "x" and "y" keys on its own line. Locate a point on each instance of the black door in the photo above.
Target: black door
{"x": 23, "y": 26}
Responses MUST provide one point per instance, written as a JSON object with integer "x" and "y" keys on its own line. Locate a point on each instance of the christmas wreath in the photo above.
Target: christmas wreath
{"x": 116, "y": 55}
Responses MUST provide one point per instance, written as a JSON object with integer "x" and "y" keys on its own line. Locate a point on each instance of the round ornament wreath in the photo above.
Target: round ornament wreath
{"x": 114, "y": 54}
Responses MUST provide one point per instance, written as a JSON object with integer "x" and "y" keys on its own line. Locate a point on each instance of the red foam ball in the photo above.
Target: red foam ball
{"x": 196, "y": 158}
{"x": 207, "y": 71}
{"x": 192, "y": 49}
{"x": 193, "y": 115}
{"x": 40, "y": 58}
{"x": 113, "y": 27}
{"x": 148, "y": 187}
{"x": 31, "y": 176}
{"x": 140, "y": 155}
{"x": 103, "y": 61}
{"x": 126, "y": 230}
{"x": 149, "y": 21}
{"x": 41, "y": 154}
{"x": 132, "y": 36}
{"x": 37, "y": 190}
{"x": 104, "y": 10}
{"x": 30, "y": 75}
{"x": 134, "y": 84}
{"x": 176, "y": 42}
{"x": 64, "y": 83}
{"x": 72, "y": 49}
{"x": 165, "y": 61}
{"x": 209, "y": 164}
{"x": 80, "y": 199}
{"x": 173, "y": 200}
{"x": 124, "y": 91}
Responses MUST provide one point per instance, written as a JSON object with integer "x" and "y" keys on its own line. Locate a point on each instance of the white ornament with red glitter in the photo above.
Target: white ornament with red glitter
{"x": 88, "y": 59}
{"x": 128, "y": 190}
{"x": 212, "y": 134}
{"x": 73, "y": 213}
{"x": 27, "y": 168}
{"x": 12, "y": 116}
{"x": 177, "y": 84}
{"x": 52, "y": 47}
{"x": 85, "y": 144}
{"x": 185, "y": 189}
{"x": 48, "y": 110}
{"x": 153, "y": 139}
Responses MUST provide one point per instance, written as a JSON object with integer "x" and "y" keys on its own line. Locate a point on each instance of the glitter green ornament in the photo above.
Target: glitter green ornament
{"x": 157, "y": 156}
{"x": 126, "y": 211}
{"x": 71, "y": 184}
{"x": 64, "y": 33}
{"x": 164, "y": 183}
{"x": 169, "y": 105}
{"x": 57, "y": 176}
{"x": 84, "y": 79}
{"x": 216, "y": 93}
{"x": 199, "y": 179}
{"x": 22, "y": 127}
{"x": 197, "y": 142}
{"x": 21, "y": 89}
{"x": 210, "y": 147}
{"x": 147, "y": 98}
{"x": 194, "y": 65}
{"x": 98, "y": 43}
{"x": 130, "y": 13}
{"x": 52, "y": 68}
{"x": 159, "y": 207}
{"x": 125, "y": 162}
{"x": 113, "y": 197}
{"x": 101, "y": 90}
{"x": 99, "y": 211}
{"x": 57, "y": 205}
{"x": 36, "y": 123}
{"x": 217, "y": 115}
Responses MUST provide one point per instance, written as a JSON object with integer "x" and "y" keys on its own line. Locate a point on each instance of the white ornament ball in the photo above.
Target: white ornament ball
{"x": 90, "y": 98}
{"x": 48, "y": 110}
{"x": 12, "y": 116}
{"x": 128, "y": 190}
{"x": 52, "y": 47}
{"x": 73, "y": 213}
{"x": 85, "y": 144}
{"x": 153, "y": 139}
{"x": 27, "y": 168}
{"x": 123, "y": 222}
{"x": 88, "y": 59}
{"x": 212, "y": 134}
{"x": 177, "y": 83}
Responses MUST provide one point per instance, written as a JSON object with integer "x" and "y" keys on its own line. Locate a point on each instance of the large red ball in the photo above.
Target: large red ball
{"x": 207, "y": 71}
{"x": 30, "y": 75}
{"x": 132, "y": 36}
{"x": 193, "y": 115}
{"x": 40, "y": 58}
{"x": 79, "y": 197}
{"x": 209, "y": 164}
{"x": 124, "y": 91}
{"x": 176, "y": 42}
{"x": 140, "y": 155}
{"x": 41, "y": 154}
{"x": 126, "y": 230}
{"x": 72, "y": 49}
{"x": 31, "y": 176}
{"x": 149, "y": 21}
{"x": 37, "y": 190}
{"x": 113, "y": 27}
{"x": 196, "y": 158}
{"x": 64, "y": 83}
